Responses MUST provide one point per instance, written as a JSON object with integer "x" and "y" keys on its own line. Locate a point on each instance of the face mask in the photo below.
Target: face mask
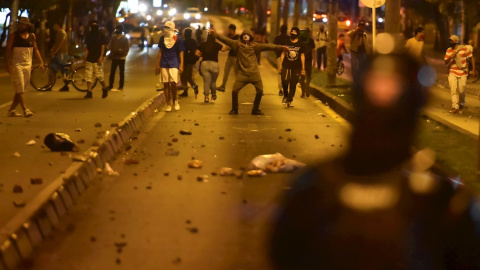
{"x": 452, "y": 45}
{"x": 293, "y": 36}
{"x": 246, "y": 38}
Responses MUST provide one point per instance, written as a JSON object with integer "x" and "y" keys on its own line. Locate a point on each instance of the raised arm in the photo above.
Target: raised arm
{"x": 268, "y": 47}
{"x": 229, "y": 42}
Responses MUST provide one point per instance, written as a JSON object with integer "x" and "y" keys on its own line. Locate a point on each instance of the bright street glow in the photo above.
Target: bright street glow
{"x": 172, "y": 12}
{"x": 159, "y": 13}
{"x": 205, "y": 9}
{"x": 325, "y": 20}
{"x": 149, "y": 17}
{"x": 157, "y": 3}
{"x": 198, "y": 16}
{"x": 348, "y": 22}
{"x": 142, "y": 7}
{"x": 380, "y": 20}
{"x": 121, "y": 20}
{"x": 165, "y": 5}
{"x": 128, "y": 36}
{"x": 186, "y": 16}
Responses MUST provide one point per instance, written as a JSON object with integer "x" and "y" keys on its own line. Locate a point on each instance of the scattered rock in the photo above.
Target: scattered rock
{"x": 226, "y": 171}
{"x": 174, "y": 140}
{"x": 16, "y": 154}
{"x": 288, "y": 129}
{"x": 81, "y": 141}
{"x": 257, "y": 173}
{"x": 328, "y": 126}
{"x": 166, "y": 174}
{"x": 114, "y": 125}
{"x": 185, "y": 132}
{"x": 202, "y": 178}
{"x": 195, "y": 164}
{"x": 280, "y": 137}
{"x": 93, "y": 239}
{"x": 59, "y": 142}
{"x": 171, "y": 152}
{"x": 222, "y": 138}
{"x": 196, "y": 124}
{"x": 169, "y": 144}
{"x": 131, "y": 161}
{"x": 244, "y": 201}
{"x": 149, "y": 187}
{"x": 78, "y": 129}
{"x": 36, "y": 181}
{"x": 214, "y": 173}
{"x": 37, "y": 137}
{"x": 193, "y": 230}
{"x": 291, "y": 139}
{"x": 31, "y": 142}
{"x": 118, "y": 261}
{"x": 17, "y": 189}
{"x": 177, "y": 260}
{"x": 179, "y": 177}
{"x": 135, "y": 174}
{"x": 98, "y": 125}
{"x": 241, "y": 141}
{"x": 332, "y": 145}
{"x": 79, "y": 158}
{"x": 19, "y": 204}
{"x": 188, "y": 221}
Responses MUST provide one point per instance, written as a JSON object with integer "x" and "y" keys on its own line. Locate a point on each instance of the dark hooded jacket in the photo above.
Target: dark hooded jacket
{"x": 246, "y": 55}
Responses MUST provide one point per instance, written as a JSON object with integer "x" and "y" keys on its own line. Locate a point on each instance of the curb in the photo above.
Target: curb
{"x": 22, "y": 234}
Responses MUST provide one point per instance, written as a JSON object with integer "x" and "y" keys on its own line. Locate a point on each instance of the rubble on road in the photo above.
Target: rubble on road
{"x": 226, "y": 171}
{"x": 31, "y": 142}
{"x": 185, "y": 132}
{"x": 253, "y": 173}
{"x": 274, "y": 163}
{"x": 109, "y": 171}
{"x": 195, "y": 164}
{"x": 59, "y": 142}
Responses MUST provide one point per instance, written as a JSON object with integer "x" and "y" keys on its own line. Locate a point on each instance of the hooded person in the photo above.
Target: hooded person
{"x": 379, "y": 204}
{"x": 246, "y": 66}
{"x": 170, "y": 63}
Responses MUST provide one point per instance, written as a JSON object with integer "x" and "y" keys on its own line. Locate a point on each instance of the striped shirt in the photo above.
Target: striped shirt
{"x": 463, "y": 53}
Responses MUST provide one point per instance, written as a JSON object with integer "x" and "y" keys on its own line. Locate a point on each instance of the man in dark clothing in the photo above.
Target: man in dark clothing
{"x": 59, "y": 52}
{"x": 293, "y": 66}
{"x": 281, "y": 39}
{"x": 119, "y": 47}
{"x": 247, "y": 67}
{"x": 189, "y": 61}
{"x": 378, "y": 206}
{"x": 232, "y": 57}
{"x": 309, "y": 44}
{"x": 94, "y": 54}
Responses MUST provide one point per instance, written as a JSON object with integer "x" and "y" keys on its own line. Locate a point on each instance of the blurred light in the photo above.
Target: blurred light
{"x": 149, "y": 17}
{"x": 128, "y": 36}
{"x": 157, "y": 3}
{"x": 366, "y": 198}
{"x": 159, "y": 13}
{"x": 205, "y": 9}
{"x": 385, "y": 43}
{"x": 208, "y": 25}
{"x": 121, "y": 20}
{"x": 186, "y": 16}
{"x": 76, "y": 46}
{"x": 165, "y": 5}
{"x": 348, "y": 22}
{"x": 198, "y": 16}
{"x": 427, "y": 76}
{"x": 142, "y": 7}
{"x": 324, "y": 20}
{"x": 172, "y": 12}
{"x": 380, "y": 20}
{"x": 268, "y": 12}
{"x": 133, "y": 5}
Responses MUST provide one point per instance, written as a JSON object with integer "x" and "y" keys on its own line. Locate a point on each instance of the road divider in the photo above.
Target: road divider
{"x": 25, "y": 231}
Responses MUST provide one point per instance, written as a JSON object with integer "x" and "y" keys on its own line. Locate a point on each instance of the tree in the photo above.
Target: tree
{"x": 332, "y": 42}
{"x": 392, "y": 19}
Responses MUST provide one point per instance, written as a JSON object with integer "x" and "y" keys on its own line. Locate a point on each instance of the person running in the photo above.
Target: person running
{"x": 170, "y": 63}
{"x": 456, "y": 60}
{"x": 232, "y": 57}
{"x": 94, "y": 56}
{"x": 209, "y": 69}
{"x": 21, "y": 45}
{"x": 59, "y": 52}
{"x": 281, "y": 39}
{"x": 119, "y": 46}
{"x": 190, "y": 60}
{"x": 293, "y": 66}
{"x": 247, "y": 67}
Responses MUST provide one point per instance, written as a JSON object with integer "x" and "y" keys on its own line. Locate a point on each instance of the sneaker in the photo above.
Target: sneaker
{"x": 453, "y": 111}
{"x": 233, "y": 112}
{"x": 65, "y": 88}
{"x": 206, "y": 99}
{"x": 195, "y": 89}
{"x": 104, "y": 92}
{"x": 214, "y": 97}
{"x": 177, "y": 106}
{"x": 88, "y": 95}
{"x": 289, "y": 104}
{"x": 280, "y": 92}
{"x": 27, "y": 113}
{"x": 221, "y": 89}
{"x": 13, "y": 113}
{"x": 284, "y": 101}
{"x": 120, "y": 89}
{"x": 168, "y": 109}
{"x": 257, "y": 112}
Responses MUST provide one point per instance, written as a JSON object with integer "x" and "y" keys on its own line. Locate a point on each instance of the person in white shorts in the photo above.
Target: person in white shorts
{"x": 19, "y": 52}
{"x": 170, "y": 63}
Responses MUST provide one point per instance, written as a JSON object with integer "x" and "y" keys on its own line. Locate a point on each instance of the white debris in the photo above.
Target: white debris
{"x": 109, "y": 171}
{"x": 274, "y": 163}
{"x": 16, "y": 154}
{"x": 31, "y": 142}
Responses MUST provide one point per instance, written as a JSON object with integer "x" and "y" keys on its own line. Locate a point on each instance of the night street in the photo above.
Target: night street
{"x": 157, "y": 214}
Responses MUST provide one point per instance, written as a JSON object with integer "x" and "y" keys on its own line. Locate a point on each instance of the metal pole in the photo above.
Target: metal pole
{"x": 374, "y": 24}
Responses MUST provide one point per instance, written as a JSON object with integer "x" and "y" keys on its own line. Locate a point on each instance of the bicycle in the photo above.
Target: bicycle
{"x": 340, "y": 65}
{"x": 44, "y": 80}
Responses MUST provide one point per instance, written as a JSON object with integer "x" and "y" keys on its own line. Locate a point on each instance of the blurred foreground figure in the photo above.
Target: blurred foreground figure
{"x": 378, "y": 206}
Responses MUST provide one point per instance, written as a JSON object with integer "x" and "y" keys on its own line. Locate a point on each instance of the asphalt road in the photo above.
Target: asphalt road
{"x": 156, "y": 214}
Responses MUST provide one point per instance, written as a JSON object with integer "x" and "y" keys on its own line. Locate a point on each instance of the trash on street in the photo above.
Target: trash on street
{"x": 109, "y": 171}
{"x": 226, "y": 171}
{"x": 59, "y": 142}
{"x": 195, "y": 164}
{"x": 31, "y": 142}
{"x": 256, "y": 173}
{"x": 274, "y": 163}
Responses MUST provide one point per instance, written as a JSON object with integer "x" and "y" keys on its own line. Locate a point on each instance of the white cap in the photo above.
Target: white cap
{"x": 169, "y": 24}
{"x": 454, "y": 38}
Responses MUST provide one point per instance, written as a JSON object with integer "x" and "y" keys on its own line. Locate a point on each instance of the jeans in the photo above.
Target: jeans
{"x": 238, "y": 85}
{"x": 358, "y": 61}
{"x": 290, "y": 78}
{"x": 228, "y": 66}
{"x": 322, "y": 53}
{"x": 457, "y": 83}
{"x": 209, "y": 73}
{"x": 113, "y": 68}
{"x": 58, "y": 63}
{"x": 187, "y": 75}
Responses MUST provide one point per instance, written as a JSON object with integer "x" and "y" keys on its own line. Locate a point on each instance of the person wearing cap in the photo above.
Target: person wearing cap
{"x": 170, "y": 63}
{"x": 293, "y": 66}
{"x": 456, "y": 60}
{"x": 230, "y": 59}
{"x": 378, "y": 205}
{"x": 94, "y": 55}
{"x": 359, "y": 48}
{"x": 59, "y": 52}
{"x": 414, "y": 46}
{"x": 119, "y": 46}
{"x": 246, "y": 66}
{"x": 21, "y": 46}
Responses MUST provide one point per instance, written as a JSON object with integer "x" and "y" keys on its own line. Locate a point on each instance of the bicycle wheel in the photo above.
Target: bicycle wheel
{"x": 42, "y": 80}
{"x": 341, "y": 68}
{"x": 79, "y": 81}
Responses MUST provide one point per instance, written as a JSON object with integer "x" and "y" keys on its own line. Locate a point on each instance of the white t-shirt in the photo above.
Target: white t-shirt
{"x": 414, "y": 48}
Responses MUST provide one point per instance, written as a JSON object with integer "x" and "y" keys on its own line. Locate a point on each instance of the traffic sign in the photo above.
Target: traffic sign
{"x": 371, "y": 3}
